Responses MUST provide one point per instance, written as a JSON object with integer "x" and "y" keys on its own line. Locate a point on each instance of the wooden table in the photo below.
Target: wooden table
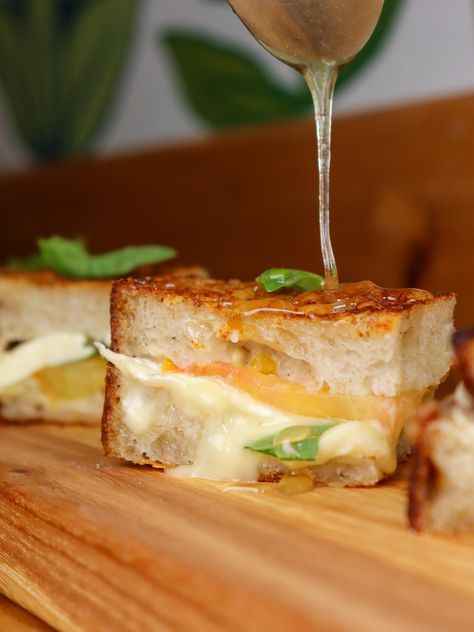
{"x": 87, "y": 543}
{"x": 16, "y": 619}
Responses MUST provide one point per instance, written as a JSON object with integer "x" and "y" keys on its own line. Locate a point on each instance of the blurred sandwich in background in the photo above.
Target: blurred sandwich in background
{"x": 442, "y": 469}
{"x": 49, "y": 367}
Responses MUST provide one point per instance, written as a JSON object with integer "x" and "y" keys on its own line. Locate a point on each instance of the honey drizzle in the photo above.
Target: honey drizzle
{"x": 317, "y": 38}
{"x": 298, "y": 481}
{"x": 295, "y": 482}
{"x": 348, "y": 297}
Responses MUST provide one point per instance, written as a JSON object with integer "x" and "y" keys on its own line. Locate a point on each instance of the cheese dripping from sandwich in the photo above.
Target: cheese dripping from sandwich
{"x": 233, "y": 421}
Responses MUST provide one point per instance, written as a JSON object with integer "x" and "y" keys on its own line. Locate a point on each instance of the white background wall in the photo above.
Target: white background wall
{"x": 430, "y": 53}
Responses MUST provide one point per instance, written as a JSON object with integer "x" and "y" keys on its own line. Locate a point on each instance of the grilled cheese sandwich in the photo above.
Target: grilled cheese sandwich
{"x": 223, "y": 380}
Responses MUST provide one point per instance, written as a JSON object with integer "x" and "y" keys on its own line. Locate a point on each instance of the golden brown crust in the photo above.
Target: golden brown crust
{"x": 112, "y": 402}
{"x": 119, "y": 316}
{"x": 423, "y": 473}
{"x": 48, "y": 278}
{"x": 245, "y": 298}
{"x": 171, "y": 269}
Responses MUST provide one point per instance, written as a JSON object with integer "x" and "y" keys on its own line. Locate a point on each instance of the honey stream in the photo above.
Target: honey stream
{"x": 317, "y": 38}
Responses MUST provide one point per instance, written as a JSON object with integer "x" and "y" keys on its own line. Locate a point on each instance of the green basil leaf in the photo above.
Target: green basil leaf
{"x": 279, "y": 278}
{"x": 38, "y": 261}
{"x": 305, "y": 450}
{"x": 279, "y": 445}
{"x": 33, "y": 262}
{"x": 263, "y": 445}
{"x": 64, "y": 256}
{"x": 120, "y": 262}
{"x": 71, "y": 259}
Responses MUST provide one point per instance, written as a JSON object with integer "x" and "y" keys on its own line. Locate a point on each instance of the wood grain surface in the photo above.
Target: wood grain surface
{"x": 87, "y": 543}
{"x": 16, "y": 619}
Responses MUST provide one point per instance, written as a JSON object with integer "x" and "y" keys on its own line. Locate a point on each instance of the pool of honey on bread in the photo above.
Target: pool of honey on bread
{"x": 250, "y": 299}
{"x": 348, "y": 297}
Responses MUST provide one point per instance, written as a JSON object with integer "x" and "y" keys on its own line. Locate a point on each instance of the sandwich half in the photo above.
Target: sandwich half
{"x": 49, "y": 367}
{"x": 441, "y": 490}
{"x": 222, "y": 380}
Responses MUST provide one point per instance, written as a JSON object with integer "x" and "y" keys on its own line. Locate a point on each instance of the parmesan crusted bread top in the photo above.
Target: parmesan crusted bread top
{"x": 376, "y": 342}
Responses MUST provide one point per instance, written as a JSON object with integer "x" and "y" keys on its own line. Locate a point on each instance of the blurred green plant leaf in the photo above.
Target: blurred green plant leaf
{"x": 60, "y": 63}
{"x": 226, "y": 86}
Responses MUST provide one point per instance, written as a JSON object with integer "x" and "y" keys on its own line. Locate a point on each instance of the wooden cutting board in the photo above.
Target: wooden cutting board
{"x": 15, "y": 619}
{"x": 89, "y": 544}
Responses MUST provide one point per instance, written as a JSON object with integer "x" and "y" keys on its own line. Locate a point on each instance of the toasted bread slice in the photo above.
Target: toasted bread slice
{"x": 49, "y": 368}
{"x": 362, "y": 363}
{"x": 441, "y": 497}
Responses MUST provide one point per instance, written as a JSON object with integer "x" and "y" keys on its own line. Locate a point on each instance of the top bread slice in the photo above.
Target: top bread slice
{"x": 376, "y": 348}
{"x": 373, "y": 349}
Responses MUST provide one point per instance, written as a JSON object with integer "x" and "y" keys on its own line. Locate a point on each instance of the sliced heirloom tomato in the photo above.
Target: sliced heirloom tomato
{"x": 295, "y": 398}
{"x": 76, "y": 380}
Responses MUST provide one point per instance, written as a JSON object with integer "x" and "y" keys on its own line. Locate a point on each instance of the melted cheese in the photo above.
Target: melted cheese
{"x": 46, "y": 351}
{"x": 232, "y": 420}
